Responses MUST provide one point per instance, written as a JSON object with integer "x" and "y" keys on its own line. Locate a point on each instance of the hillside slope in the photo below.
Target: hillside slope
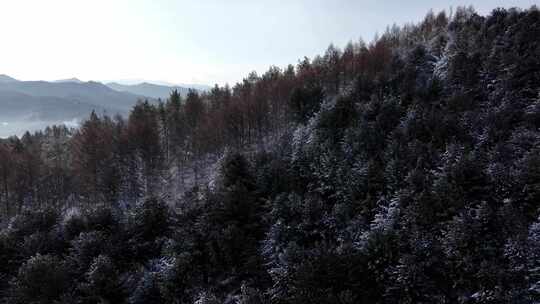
{"x": 406, "y": 170}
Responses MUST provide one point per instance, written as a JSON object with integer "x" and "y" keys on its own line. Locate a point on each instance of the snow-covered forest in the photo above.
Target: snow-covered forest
{"x": 403, "y": 170}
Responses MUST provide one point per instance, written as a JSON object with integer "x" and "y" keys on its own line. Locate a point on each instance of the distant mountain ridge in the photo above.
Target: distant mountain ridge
{"x": 42, "y": 103}
{"x": 137, "y": 81}
{"x": 6, "y": 78}
{"x": 32, "y": 105}
{"x": 89, "y": 92}
{"x": 148, "y": 89}
{"x": 74, "y": 79}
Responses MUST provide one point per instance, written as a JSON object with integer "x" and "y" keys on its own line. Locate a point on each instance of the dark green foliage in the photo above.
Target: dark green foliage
{"x": 102, "y": 219}
{"x": 85, "y": 248}
{"x": 41, "y": 279}
{"x": 31, "y": 222}
{"x": 103, "y": 282}
{"x": 148, "y": 226}
{"x": 304, "y": 102}
{"x": 150, "y": 220}
{"x": 232, "y": 225}
{"x": 147, "y": 290}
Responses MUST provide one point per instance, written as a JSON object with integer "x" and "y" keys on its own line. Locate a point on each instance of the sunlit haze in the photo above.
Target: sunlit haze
{"x": 188, "y": 41}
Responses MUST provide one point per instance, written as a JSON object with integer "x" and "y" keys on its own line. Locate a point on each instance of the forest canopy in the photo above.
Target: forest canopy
{"x": 403, "y": 170}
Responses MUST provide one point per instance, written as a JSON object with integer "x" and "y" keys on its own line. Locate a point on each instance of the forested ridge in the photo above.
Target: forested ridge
{"x": 404, "y": 170}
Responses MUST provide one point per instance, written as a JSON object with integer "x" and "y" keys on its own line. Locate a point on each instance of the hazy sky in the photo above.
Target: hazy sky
{"x": 189, "y": 41}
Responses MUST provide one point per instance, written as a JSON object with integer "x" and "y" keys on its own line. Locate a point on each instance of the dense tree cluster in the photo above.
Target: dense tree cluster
{"x": 406, "y": 170}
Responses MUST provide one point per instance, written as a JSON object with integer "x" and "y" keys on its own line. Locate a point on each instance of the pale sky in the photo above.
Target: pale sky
{"x": 184, "y": 41}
